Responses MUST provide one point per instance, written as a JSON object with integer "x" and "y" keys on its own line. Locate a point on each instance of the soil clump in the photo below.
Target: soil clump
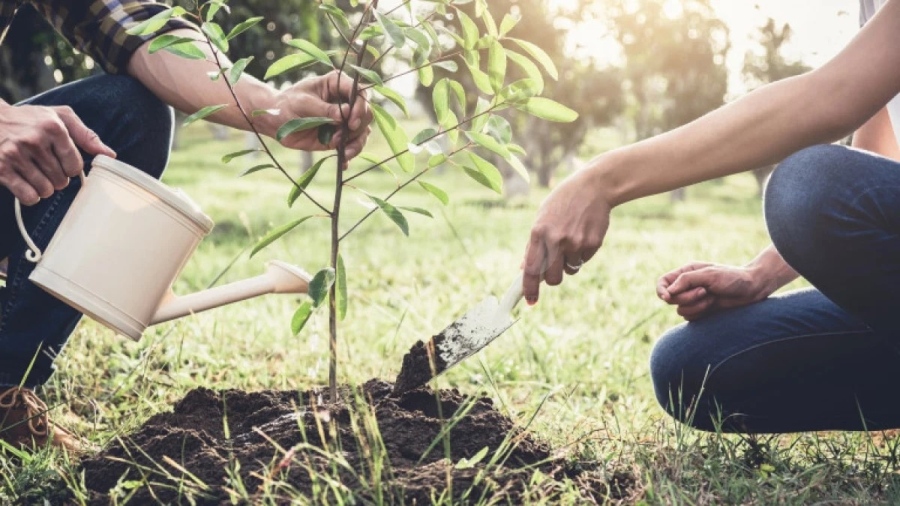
{"x": 280, "y": 444}
{"x": 420, "y": 364}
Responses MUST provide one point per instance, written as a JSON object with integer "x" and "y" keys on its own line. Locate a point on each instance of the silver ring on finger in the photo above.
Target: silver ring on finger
{"x": 574, "y": 267}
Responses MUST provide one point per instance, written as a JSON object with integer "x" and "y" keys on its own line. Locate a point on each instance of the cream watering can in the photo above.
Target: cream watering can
{"x": 123, "y": 242}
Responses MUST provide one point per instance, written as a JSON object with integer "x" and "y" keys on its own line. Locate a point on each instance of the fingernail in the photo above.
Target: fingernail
{"x": 531, "y": 300}
{"x": 355, "y": 124}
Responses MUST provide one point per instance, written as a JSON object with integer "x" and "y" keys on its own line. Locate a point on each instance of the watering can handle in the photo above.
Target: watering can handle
{"x": 34, "y": 253}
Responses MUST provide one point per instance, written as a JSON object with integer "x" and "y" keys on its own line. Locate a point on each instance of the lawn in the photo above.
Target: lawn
{"x": 577, "y": 362}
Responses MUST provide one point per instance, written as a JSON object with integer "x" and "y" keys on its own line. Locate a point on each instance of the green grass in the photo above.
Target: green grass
{"x": 584, "y": 348}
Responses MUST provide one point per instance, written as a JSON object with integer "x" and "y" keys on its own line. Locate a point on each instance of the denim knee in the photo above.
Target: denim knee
{"x": 677, "y": 379}
{"x": 139, "y": 110}
{"x": 802, "y": 198}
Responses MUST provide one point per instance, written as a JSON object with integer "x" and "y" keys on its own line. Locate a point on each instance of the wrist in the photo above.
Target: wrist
{"x": 762, "y": 281}
{"x": 770, "y": 272}
{"x": 607, "y": 175}
{"x": 257, "y": 96}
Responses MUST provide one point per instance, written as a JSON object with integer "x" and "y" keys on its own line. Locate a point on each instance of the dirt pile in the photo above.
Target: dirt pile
{"x": 216, "y": 443}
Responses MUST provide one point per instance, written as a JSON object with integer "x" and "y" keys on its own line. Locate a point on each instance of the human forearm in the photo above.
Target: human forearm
{"x": 762, "y": 128}
{"x": 185, "y": 85}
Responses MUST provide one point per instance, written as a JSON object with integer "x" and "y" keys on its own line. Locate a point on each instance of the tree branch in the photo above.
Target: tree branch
{"x": 398, "y": 189}
{"x": 435, "y": 136}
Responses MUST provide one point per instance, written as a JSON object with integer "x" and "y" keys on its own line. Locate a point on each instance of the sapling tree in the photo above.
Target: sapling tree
{"x": 415, "y": 36}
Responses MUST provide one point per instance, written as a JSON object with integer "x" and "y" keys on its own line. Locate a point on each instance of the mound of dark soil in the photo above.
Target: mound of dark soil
{"x": 217, "y": 442}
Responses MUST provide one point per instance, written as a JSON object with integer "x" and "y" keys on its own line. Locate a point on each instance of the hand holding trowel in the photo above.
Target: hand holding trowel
{"x": 461, "y": 339}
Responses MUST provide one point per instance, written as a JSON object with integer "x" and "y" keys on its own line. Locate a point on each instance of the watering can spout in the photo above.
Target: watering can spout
{"x": 279, "y": 277}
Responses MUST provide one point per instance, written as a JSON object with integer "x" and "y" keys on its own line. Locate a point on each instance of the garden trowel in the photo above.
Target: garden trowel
{"x": 461, "y": 339}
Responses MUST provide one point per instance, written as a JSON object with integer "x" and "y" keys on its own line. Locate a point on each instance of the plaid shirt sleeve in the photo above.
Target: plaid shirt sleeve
{"x": 98, "y": 27}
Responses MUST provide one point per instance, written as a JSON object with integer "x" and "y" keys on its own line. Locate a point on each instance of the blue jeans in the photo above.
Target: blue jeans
{"x": 826, "y": 358}
{"x": 34, "y": 325}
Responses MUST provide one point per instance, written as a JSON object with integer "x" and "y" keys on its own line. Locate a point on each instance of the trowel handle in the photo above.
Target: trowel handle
{"x": 512, "y": 296}
{"x": 34, "y": 253}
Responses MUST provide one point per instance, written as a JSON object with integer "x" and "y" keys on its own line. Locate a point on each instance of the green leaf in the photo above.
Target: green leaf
{"x": 500, "y": 129}
{"x": 395, "y": 136}
{"x": 469, "y": 30}
{"x": 320, "y": 284}
{"x": 276, "y": 234}
{"x": 166, "y": 40}
{"x": 480, "y": 114}
{"x": 187, "y": 50}
{"x": 440, "y": 96}
{"x": 417, "y": 210}
{"x": 271, "y": 112}
{"x": 516, "y": 149}
{"x": 485, "y": 173}
{"x": 426, "y": 75}
{"x": 436, "y": 160}
{"x": 159, "y": 20}
{"x": 213, "y": 7}
{"x": 549, "y": 110}
{"x": 394, "y": 97}
{"x": 216, "y": 35}
{"x": 540, "y": 55}
{"x": 489, "y": 143}
{"x": 531, "y": 70}
{"x": 369, "y": 74}
{"x": 231, "y": 156}
{"x": 243, "y": 26}
{"x": 341, "y": 292}
{"x": 336, "y": 13}
{"x": 371, "y": 32}
{"x": 304, "y": 180}
{"x": 460, "y": 94}
{"x": 237, "y": 70}
{"x": 301, "y": 316}
{"x": 519, "y": 167}
{"x": 480, "y": 7}
{"x": 256, "y": 168}
{"x": 300, "y": 124}
{"x": 521, "y": 90}
{"x": 496, "y": 68}
{"x": 312, "y": 50}
{"x": 289, "y": 62}
{"x": 378, "y": 162}
{"x": 448, "y": 65}
{"x": 490, "y": 24}
{"x": 432, "y": 34}
{"x": 439, "y": 194}
{"x": 482, "y": 81}
{"x": 391, "y": 28}
{"x": 433, "y": 148}
{"x": 449, "y": 125}
{"x": 423, "y": 136}
{"x": 202, "y": 113}
{"x": 508, "y": 23}
{"x": 325, "y": 134}
{"x": 393, "y": 213}
{"x": 423, "y": 43}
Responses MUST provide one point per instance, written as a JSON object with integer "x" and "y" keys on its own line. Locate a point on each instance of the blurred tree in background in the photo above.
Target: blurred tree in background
{"x": 674, "y": 62}
{"x": 587, "y": 86}
{"x": 665, "y": 64}
{"x": 768, "y": 65}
